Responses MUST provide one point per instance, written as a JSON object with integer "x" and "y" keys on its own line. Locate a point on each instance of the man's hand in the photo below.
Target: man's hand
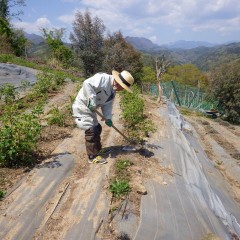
{"x": 109, "y": 122}
{"x": 90, "y": 105}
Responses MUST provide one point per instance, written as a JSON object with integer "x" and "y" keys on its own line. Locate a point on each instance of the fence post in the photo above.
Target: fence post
{"x": 179, "y": 103}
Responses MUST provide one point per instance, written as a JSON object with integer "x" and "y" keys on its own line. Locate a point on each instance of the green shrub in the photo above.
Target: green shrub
{"x": 4, "y": 58}
{"x": 56, "y": 117}
{"x": 132, "y": 106}
{"x": 135, "y": 121}
{"x": 2, "y": 194}
{"x": 19, "y": 135}
{"x": 119, "y": 187}
{"x": 8, "y": 93}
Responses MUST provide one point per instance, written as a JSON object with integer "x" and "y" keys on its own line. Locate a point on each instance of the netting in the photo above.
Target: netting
{"x": 183, "y": 95}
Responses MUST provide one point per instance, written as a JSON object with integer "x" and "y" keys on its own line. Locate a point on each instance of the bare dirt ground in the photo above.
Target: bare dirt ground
{"x": 220, "y": 140}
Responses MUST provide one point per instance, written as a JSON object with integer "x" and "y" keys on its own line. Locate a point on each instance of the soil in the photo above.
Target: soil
{"x": 54, "y": 139}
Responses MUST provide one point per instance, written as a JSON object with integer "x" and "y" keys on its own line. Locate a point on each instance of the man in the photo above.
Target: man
{"x": 98, "y": 91}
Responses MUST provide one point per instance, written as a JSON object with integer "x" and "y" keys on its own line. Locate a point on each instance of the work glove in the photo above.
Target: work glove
{"x": 91, "y": 106}
{"x": 109, "y": 122}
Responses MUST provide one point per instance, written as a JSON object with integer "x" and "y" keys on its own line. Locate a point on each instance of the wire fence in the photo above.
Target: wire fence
{"x": 183, "y": 95}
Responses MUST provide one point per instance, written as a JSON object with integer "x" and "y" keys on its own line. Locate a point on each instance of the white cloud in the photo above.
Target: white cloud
{"x": 34, "y": 27}
{"x": 68, "y": 19}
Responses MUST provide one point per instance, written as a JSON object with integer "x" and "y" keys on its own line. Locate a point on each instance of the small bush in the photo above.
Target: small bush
{"x": 8, "y": 93}
{"x": 19, "y": 135}
{"x": 135, "y": 121}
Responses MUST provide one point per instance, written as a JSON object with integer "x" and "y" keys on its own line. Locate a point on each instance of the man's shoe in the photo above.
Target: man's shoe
{"x": 98, "y": 160}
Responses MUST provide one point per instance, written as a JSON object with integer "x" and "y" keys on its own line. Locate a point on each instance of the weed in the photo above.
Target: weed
{"x": 2, "y": 194}
{"x": 219, "y": 162}
{"x": 8, "y": 93}
{"x": 24, "y": 85}
{"x": 122, "y": 164}
{"x": 119, "y": 187}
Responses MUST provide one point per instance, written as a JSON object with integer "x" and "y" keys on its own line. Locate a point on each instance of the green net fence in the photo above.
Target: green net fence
{"x": 183, "y": 95}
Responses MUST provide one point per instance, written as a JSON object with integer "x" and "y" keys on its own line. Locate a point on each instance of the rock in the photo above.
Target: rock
{"x": 141, "y": 190}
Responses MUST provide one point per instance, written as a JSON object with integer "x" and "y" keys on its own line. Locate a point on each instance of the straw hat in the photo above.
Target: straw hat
{"x": 124, "y": 79}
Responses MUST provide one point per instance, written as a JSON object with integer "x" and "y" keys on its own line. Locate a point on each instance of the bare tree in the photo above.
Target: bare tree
{"x": 161, "y": 67}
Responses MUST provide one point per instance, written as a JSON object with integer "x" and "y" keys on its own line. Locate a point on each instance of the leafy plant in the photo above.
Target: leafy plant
{"x": 122, "y": 164}
{"x": 56, "y": 117}
{"x": 135, "y": 121}
{"x": 24, "y": 85}
{"x": 8, "y": 92}
{"x": 225, "y": 87}
{"x": 19, "y": 135}
{"x": 119, "y": 187}
{"x": 2, "y": 194}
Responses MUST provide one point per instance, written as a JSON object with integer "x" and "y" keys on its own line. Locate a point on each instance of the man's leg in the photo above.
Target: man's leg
{"x": 93, "y": 140}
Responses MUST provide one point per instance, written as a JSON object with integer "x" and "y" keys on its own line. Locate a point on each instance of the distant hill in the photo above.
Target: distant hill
{"x": 34, "y": 38}
{"x": 141, "y": 43}
{"x": 144, "y": 44}
{"x": 188, "y": 44}
{"x": 205, "y": 58}
{"x": 203, "y": 54}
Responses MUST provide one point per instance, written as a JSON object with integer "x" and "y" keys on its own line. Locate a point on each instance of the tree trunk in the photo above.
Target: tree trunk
{"x": 160, "y": 93}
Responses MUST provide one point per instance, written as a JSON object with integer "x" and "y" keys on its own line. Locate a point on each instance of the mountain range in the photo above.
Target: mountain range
{"x": 141, "y": 43}
{"x": 203, "y": 54}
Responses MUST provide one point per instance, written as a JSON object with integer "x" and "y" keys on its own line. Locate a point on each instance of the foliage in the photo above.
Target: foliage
{"x": 46, "y": 83}
{"x": 225, "y": 87}
{"x": 119, "y": 187}
{"x": 149, "y": 75}
{"x": 7, "y": 92}
{"x": 5, "y": 46}
{"x": 6, "y": 5}
{"x": 120, "y": 55}
{"x": 11, "y": 38}
{"x": 2, "y": 194}
{"x": 132, "y": 106}
{"x": 187, "y": 74}
{"x": 122, "y": 164}
{"x": 19, "y": 135}
{"x": 18, "y": 42}
{"x": 5, "y": 33}
{"x": 59, "y": 52}
{"x": 87, "y": 41}
{"x": 55, "y": 117}
{"x": 136, "y": 123}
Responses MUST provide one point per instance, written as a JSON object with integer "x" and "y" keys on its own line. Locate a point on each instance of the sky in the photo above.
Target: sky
{"x": 161, "y": 21}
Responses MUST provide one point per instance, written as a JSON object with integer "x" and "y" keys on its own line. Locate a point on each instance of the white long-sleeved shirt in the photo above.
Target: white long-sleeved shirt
{"x": 99, "y": 90}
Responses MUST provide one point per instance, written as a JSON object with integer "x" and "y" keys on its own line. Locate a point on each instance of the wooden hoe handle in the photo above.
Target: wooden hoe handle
{"x": 99, "y": 114}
